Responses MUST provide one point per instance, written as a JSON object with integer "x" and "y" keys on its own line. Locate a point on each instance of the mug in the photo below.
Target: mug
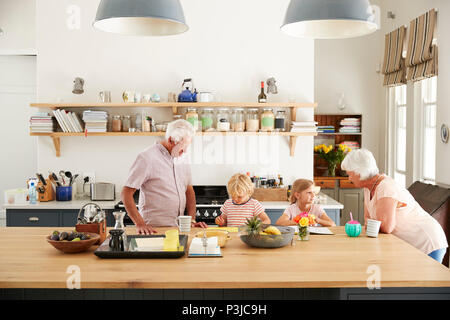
{"x": 146, "y": 98}
{"x": 116, "y": 241}
{"x": 105, "y": 96}
{"x": 137, "y": 97}
{"x": 373, "y": 228}
{"x": 184, "y": 223}
{"x": 128, "y": 96}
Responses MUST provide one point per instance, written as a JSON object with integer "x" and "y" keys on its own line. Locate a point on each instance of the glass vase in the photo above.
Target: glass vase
{"x": 303, "y": 233}
{"x": 332, "y": 169}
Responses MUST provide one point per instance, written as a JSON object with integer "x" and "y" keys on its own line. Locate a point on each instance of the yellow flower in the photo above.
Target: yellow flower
{"x": 304, "y": 222}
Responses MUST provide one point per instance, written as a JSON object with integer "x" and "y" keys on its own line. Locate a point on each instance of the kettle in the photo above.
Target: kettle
{"x": 187, "y": 95}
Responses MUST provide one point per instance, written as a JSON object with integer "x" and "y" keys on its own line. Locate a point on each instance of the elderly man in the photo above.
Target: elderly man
{"x": 165, "y": 183}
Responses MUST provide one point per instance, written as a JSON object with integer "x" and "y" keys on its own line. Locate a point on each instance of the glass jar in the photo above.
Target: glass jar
{"x": 116, "y": 123}
{"x": 192, "y": 117}
{"x": 238, "y": 120}
{"x": 138, "y": 122}
{"x": 267, "y": 120}
{"x": 280, "y": 120}
{"x": 207, "y": 118}
{"x": 126, "y": 123}
{"x": 252, "y": 122}
{"x": 223, "y": 120}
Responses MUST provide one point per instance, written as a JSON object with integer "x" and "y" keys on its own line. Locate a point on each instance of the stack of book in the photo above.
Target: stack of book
{"x": 42, "y": 123}
{"x": 350, "y": 125}
{"x": 68, "y": 121}
{"x": 325, "y": 129}
{"x": 304, "y": 126}
{"x": 95, "y": 121}
{"x": 351, "y": 144}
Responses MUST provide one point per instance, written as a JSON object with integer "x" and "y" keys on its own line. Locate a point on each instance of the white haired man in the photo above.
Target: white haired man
{"x": 165, "y": 184}
{"x": 394, "y": 206}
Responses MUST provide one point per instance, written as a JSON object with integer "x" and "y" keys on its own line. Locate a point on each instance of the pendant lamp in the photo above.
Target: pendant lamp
{"x": 329, "y": 19}
{"x": 141, "y": 17}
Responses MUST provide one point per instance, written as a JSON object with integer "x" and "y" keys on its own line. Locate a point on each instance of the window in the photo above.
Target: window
{"x": 428, "y": 129}
{"x": 399, "y": 143}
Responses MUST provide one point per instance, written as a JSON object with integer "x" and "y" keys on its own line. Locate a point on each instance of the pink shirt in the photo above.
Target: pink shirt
{"x": 412, "y": 224}
{"x": 162, "y": 181}
{"x": 293, "y": 210}
{"x": 237, "y": 214}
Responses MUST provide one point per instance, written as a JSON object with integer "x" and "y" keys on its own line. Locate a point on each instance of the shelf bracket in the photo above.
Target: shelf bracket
{"x": 293, "y": 114}
{"x": 174, "y": 110}
{"x": 292, "y": 145}
{"x": 57, "y": 144}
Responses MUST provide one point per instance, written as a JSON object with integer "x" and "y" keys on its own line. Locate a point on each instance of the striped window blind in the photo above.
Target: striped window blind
{"x": 394, "y": 69}
{"x": 422, "y": 55}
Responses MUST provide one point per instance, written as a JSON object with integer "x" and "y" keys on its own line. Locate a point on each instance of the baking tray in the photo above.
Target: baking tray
{"x": 105, "y": 252}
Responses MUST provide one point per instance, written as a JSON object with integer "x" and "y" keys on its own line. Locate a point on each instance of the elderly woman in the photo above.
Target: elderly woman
{"x": 165, "y": 183}
{"x": 394, "y": 206}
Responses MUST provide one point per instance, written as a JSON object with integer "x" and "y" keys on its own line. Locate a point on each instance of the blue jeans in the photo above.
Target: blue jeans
{"x": 438, "y": 255}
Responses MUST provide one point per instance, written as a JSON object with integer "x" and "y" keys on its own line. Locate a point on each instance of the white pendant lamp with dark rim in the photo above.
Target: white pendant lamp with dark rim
{"x": 329, "y": 19}
{"x": 141, "y": 17}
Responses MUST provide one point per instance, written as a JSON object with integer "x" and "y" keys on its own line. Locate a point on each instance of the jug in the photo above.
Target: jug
{"x": 116, "y": 241}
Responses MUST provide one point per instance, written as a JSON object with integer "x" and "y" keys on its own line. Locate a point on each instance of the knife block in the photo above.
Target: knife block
{"x": 49, "y": 193}
{"x": 99, "y": 228}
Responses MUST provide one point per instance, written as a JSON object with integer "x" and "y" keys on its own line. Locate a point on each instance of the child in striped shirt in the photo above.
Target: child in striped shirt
{"x": 241, "y": 206}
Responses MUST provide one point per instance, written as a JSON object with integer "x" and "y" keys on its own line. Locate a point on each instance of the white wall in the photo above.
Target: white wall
{"x": 230, "y": 47}
{"x": 349, "y": 66}
{"x": 18, "y": 21}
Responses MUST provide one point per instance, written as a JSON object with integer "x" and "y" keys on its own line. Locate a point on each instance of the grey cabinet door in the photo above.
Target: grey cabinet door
{"x": 331, "y": 193}
{"x": 353, "y": 201}
{"x": 334, "y": 214}
{"x": 69, "y": 218}
{"x": 32, "y": 218}
{"x": 274, "y": 214}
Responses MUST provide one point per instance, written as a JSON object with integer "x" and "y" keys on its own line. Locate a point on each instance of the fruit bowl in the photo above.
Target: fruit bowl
{"x": 74, "y": 246}
{"x": 269, "y": 240}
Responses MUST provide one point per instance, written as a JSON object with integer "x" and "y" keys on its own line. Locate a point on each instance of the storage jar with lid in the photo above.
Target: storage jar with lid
{"x": 252, "y": 122}
{"x": 267, "y": 120}
{"x": 223, "y": 120}
{"x": 238, "y": 120}
{"x": 126, "y": 123}
{"x": 207, "y": 119}
{"x": 192, "y": 117}
{"x": 117, "y": 123}
{"x": 280, "y": 120}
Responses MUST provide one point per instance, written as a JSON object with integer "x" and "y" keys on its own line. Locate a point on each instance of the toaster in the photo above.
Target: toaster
{"x": 103, "y": 191}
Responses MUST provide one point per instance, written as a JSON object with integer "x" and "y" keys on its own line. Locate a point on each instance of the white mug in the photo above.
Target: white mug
{"x": 184, "y": 223}
{"x": 373, "y": 228}
{"x": 146, "y": 98}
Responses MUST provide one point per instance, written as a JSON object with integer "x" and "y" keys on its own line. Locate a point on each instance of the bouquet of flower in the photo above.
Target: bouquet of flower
{"x": 304, "y": 220}
{"x": 332, "y": 155}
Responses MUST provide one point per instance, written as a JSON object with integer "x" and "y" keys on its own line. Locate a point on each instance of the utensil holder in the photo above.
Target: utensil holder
{"x": 48, "y": 194}
{"x": 64, "y": 193}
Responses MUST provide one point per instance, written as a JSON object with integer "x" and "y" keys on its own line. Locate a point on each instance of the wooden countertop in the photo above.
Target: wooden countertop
{"x": 28, "y": 261}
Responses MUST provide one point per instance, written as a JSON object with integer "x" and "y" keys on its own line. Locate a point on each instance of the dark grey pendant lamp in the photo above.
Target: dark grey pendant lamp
{"x": 329, "y": 19}
{"x": 141, "y": 17}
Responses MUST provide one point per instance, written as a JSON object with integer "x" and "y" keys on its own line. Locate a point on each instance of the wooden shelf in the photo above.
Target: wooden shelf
{"x": 175, "y": 105}
{"x": 57, "y": 135}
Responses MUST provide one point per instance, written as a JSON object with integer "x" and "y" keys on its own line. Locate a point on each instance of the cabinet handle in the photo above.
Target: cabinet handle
{"x": 33, "y": 219}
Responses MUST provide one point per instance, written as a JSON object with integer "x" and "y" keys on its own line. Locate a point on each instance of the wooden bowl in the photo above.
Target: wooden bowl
{"x": 74, "y": 246}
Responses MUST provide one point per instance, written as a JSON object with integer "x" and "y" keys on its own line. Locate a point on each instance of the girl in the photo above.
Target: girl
{"x": 302, "y": 200}
{"x": 241, "y": 206}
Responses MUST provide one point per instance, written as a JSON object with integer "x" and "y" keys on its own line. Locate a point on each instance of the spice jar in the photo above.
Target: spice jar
{"x": 192, "y": 117}
{"x": 223, "y": 120}
{"x": 238, "y": 120}
{"x": 267, "y": 120}
{"x": 252, "y": 122}
{"x": 126, "y": 123}
{"x": 117, "y": 123}
{"x": 207, "y": 119}
{"x": 280, "y": 120}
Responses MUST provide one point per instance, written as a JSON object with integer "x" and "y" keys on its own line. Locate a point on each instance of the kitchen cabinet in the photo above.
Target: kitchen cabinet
{"x": 293, "y": 136}
{"x": 47, "y": 218}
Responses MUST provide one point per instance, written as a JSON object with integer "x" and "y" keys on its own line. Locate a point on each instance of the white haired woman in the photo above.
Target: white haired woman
{"x": 165, "y": 184}
{"x": 394, "y": 206}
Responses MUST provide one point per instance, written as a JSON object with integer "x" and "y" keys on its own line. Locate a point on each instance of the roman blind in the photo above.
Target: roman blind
{"x": 422, "y": 55}
{"x": 394, "y": 63}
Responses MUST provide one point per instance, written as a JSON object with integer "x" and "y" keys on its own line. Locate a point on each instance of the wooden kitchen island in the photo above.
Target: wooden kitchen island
{"x": 325, "y": 267}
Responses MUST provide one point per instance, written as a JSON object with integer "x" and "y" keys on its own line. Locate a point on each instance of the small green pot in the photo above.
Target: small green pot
{"x": 353, "y": 229}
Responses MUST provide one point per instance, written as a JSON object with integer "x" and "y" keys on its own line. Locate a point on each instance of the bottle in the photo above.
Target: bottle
{"x": 32, "y": 192}
{"x": 262, "y": 96}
